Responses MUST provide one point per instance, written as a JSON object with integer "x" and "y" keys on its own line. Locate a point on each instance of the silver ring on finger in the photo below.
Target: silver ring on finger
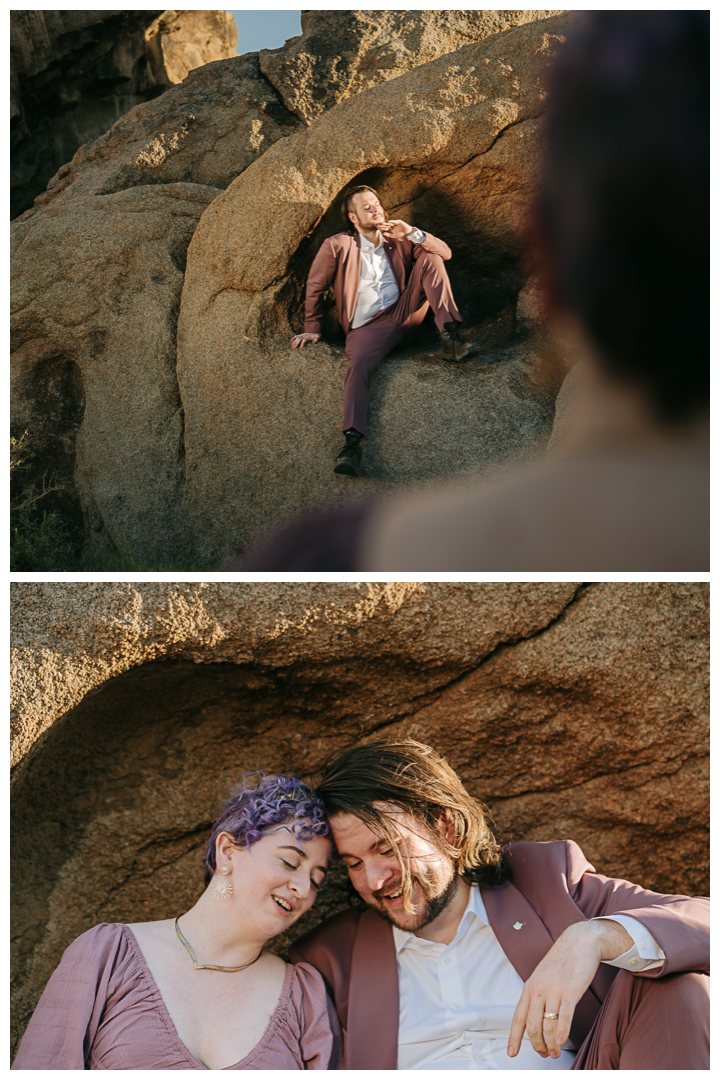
{"x": 551, "y": 1016}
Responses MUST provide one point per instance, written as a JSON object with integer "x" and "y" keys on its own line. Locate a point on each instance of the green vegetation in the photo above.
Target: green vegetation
{"x": 41, "y": 541}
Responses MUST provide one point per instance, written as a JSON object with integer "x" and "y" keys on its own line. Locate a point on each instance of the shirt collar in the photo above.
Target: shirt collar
{"x": 475, "y": 909}
{"x": 367, "y": 245}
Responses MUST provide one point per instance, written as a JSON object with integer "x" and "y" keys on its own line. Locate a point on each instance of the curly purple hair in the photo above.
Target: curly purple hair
{"x": 277, "y": 800}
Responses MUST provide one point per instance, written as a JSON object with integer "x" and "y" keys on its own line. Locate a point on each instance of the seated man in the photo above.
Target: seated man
{"x": 382, "y": 290}
{"x": 472, "y": 957}
{"x": 621, "y": 239}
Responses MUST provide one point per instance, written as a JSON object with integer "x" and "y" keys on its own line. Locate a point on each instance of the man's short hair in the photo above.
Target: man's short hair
{"x": 415, "y": 779}
{"x": 346, "y": 206}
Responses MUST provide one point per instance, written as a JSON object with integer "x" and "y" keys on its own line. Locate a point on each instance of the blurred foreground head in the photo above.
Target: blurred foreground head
{"x": 622, "y": 215}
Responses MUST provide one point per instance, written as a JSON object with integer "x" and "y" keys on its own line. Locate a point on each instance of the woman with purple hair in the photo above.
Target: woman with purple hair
{"x": 201, "y": 991}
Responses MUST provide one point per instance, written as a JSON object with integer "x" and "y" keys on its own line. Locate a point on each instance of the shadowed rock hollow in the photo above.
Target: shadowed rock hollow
{"x": 74, "y": 73}
{"x": 185, "y": 446}
{"x": 572, "y": 710}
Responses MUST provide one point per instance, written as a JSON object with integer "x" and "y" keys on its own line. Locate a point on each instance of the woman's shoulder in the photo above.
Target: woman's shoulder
{"x": 307, "y": 986}
{"x": 107, "y": 944}
{"x": 318, "y": 1023}
{"x": 101, "y": 936}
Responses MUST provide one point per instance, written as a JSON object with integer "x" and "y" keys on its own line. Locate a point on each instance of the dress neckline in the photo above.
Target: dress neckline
{"x": 170, "y": 1024}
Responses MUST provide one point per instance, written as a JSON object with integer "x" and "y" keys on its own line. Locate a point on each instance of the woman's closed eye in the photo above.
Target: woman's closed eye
{"x": 296, "y": 866}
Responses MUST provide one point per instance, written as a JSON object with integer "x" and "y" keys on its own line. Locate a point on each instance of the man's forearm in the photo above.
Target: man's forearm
{"x": 612, "y": 939}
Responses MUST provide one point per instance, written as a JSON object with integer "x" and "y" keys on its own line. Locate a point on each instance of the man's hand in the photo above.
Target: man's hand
{"x": 560, "y": 980}
{"x": 395, "y": 229}
{"x": 304, "y": 339}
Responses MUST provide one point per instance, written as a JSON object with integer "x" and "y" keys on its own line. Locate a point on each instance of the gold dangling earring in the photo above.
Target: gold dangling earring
{"x": 222, "y": 889}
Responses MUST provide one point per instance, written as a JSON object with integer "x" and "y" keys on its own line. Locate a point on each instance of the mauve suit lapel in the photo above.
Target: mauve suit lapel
{"x": 374, "y": 997}
{"x": 351, "y": 282}
{"x": 506, "y": 906}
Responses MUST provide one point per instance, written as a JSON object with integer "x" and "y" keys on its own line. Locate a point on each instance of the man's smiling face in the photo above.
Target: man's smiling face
{"x": 376, "y": 875}
{"x": 367, "y": 212}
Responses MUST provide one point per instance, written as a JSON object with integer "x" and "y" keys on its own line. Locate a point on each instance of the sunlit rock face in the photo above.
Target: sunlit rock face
{"x": 341, "y": 53}
{"x": 572, "y": 710}
{"x": 155, "y": 376}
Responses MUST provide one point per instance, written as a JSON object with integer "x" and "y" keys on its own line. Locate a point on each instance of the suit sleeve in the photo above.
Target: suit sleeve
{"x": 679, "y": 924}
{"x": 434, "y": 246}
{"x": 63, "y": 1027}
{"x": 322, "y": 274}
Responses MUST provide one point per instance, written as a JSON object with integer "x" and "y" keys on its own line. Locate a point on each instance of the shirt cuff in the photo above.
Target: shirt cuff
{"x": 417, "y": 236}
{"x": 645, "y": 954}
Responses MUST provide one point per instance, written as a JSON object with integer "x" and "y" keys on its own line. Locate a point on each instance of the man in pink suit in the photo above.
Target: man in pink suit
{"x": 469, "y": 956}
{"x": 385, "y": 276}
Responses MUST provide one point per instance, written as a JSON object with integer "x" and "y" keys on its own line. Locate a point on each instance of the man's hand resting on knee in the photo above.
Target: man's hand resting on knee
{"x": 304, "y": 339}
{"x": 560, "y": 980}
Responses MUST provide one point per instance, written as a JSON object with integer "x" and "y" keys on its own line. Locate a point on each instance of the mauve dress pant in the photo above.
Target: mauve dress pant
{"x": 651, "y": 1024}
{"x": 366, "y": 346}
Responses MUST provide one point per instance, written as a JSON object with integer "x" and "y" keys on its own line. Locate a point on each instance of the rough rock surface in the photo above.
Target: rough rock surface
{"x": 469, "y": 129}
{"x": 74, "y": 73}
{"x": 337, "y": 56}
{"x": 180, "y": 41}
{"x": 572, "y": 710}
{"x": 93, "y": 376}
{"x": 451, "y": 147}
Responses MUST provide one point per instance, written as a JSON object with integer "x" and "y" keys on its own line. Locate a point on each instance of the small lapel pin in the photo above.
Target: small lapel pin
{"x": 518, "y": 926}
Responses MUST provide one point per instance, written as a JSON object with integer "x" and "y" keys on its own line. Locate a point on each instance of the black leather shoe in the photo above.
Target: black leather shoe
{"x": 454, "y": 345}
{"x": 348, "y": 460}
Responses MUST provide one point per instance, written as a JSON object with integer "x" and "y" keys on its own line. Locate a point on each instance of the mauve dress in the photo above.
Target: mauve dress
{"x": 101, "y": 1009}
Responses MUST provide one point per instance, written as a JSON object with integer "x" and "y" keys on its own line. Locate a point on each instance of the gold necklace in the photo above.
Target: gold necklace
{"x": 211, "y": 967}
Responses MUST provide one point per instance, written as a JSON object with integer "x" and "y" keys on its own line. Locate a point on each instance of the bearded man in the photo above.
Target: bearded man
{"x": 469, "y": 956}
{"x": 385, "y": 276}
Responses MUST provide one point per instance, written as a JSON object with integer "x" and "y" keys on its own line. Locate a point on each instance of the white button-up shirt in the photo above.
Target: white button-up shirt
{"x": 457, "y": 1001}
{"x": 378, "y": 287}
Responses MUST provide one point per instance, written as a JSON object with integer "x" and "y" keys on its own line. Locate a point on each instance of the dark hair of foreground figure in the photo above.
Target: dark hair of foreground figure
{"x": 623, "y": 209}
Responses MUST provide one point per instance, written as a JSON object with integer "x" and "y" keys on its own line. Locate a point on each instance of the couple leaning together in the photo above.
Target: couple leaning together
{"x": 462, "y": 955}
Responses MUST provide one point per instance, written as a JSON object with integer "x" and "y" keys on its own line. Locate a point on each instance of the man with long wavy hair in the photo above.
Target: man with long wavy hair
{"x": 467, "y": 955}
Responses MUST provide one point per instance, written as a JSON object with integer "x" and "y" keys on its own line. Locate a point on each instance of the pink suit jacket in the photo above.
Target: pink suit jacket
{"x": 337, "y": 263}
{"x": 552, "y": 886}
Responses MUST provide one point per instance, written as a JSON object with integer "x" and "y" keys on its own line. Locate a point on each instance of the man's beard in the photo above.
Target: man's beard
{"x": 370, "y": 230}
{"x": 434, "y": 906}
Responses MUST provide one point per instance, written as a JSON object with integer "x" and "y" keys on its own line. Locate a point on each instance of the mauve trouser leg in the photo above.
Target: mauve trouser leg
{"x": 651, "y": 1024}
{"x": 367, "y": 346}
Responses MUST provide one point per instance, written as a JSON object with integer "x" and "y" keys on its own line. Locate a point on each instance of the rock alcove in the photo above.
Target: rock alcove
{"x": 570, "y": 710}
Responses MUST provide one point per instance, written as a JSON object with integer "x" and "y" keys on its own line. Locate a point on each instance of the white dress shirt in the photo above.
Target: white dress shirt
{"x": 378, "y": 287}
{"x": 457, "y": 1001}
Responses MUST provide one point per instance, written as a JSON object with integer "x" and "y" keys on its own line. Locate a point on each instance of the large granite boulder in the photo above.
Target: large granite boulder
{"x": 336, "y": 56}
{"x": 573, "y": 710}
{"x": 97, "y": 274}
{"x": 185, "y": 455}
{"x": 74, "y": 73}
{"x": 451, "y": 147}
